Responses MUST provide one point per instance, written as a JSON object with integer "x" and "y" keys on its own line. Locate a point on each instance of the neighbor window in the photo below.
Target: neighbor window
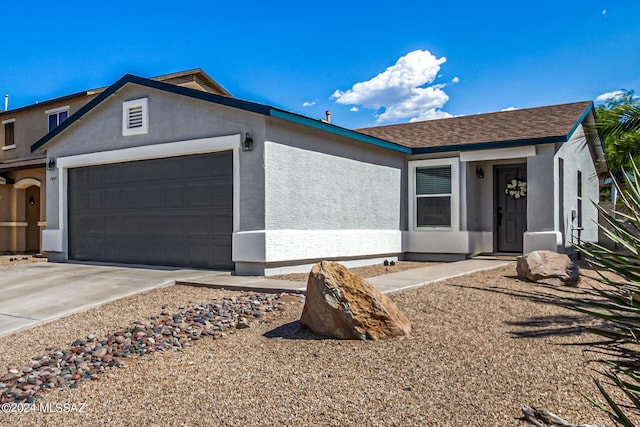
{"x": 56, "y": 116}
{"x": 433, "y": 196}
{"x": 9, "y": 133}
{"x": 135, "y": 117}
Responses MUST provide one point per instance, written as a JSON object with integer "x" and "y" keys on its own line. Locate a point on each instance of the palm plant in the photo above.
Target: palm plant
{"x": 617, "y": 302}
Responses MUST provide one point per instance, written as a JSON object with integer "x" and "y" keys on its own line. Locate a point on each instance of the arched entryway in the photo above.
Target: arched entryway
{"x": 28, "y": 200}
{"x": 32, "y": 217}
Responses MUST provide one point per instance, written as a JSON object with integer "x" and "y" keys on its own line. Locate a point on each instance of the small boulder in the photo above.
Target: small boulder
{"x": 548, "y": 267}
{"x": 341, "y": 304}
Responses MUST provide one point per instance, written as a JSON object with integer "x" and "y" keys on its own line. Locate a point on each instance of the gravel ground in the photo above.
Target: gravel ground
{"x": 482, "y": 346}
{"x": 7, "y": 260}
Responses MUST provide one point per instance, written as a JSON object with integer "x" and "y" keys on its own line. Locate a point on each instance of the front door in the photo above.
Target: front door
{"x": 510, "y": 208}
{"x": 32, "y": 215}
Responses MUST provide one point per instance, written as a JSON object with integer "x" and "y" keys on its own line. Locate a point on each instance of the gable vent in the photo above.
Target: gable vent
{"x": 135, "y": 117}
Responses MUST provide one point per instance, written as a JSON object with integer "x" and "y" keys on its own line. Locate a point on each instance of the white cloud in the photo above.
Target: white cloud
{"x": 610, "y": 95}
{"x": 402, "y": 91}
{"x": 354, "y": 109}
{"x": 308, "y": 103}
{"x": 455, "y": 79}
{"x": 509, "y": 109}
{"x": 604, "y": 12}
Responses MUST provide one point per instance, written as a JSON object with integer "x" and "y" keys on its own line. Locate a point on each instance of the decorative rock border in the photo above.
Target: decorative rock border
{"x": 91, "y": 356}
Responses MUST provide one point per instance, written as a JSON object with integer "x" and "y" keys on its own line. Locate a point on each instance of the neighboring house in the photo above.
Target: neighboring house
{"x": 22, "y": 173}
{"x": 153, "y": 173}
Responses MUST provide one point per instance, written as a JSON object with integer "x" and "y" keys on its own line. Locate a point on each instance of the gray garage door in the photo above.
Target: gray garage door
{"x": 176, "y": 211}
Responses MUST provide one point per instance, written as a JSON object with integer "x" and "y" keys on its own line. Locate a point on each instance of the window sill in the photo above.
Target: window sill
{"x": 9, "y": 147}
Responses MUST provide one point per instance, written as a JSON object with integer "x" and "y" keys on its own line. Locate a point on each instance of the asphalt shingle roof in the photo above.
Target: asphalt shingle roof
{"x": 541, "y": 123}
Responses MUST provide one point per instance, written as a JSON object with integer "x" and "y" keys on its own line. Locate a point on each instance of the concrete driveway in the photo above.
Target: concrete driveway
{"x": 31, "y": 294}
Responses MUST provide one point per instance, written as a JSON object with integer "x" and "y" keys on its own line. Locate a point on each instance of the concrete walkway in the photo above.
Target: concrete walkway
{"x": 387, "y": 283}
{"x": 32, "y": 294}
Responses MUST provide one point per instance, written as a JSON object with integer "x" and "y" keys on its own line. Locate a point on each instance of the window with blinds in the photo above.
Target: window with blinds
{"x": 433, "y": 196}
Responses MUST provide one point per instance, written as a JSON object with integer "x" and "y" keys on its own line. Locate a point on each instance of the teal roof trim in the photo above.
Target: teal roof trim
{"x": 327, "y": 127}
{"x": 587, "y": 110}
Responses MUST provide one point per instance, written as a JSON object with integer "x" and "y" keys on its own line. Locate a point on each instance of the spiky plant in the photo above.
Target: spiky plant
{"x": 617, "y": 303}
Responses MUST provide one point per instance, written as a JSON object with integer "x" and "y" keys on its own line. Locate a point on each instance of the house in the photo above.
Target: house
{"x": 153, "y": 173}
{"x": 22, "y": 173}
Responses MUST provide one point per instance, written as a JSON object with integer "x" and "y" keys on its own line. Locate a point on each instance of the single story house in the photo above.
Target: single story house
{"x": 153, "y": 173}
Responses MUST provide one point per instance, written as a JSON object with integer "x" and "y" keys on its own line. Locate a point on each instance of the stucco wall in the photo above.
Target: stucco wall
{"x": 575, "y": 155}
{"x": 31, "y": 125}
{"x": 308, "y": 190}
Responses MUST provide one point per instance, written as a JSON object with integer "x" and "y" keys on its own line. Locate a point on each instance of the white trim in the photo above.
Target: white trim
{"x": 169, "y": 149}
{"x": 13, "y": 224}
{"x": 447, "y": 242}
{"x": 6, "y": 122}
{"x": 56, "y": 110}
{"x": 2, "y": 181}
{"x": 498, "y": 154}
{"x": 143, "y": 103}
{"x": 42, "y": 223}
{"x": 455, "y": 192}
{"x": 52, "y": 241}
{"x": 26, "y": 183}
{"x": 292, "y": 245}
{"x": 8, "y": 147}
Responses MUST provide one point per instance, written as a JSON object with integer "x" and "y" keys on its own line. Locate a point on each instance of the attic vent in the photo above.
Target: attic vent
{"x": 135, "y": 117}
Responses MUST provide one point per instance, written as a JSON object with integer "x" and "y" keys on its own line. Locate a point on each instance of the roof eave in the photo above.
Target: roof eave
{"x": 490, "y": 145}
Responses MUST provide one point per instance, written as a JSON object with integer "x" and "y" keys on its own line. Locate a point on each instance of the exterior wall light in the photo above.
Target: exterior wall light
{"x": 247, "y": 144}
{"x": 479, "y": 173}
{"x": 51, "y": 164}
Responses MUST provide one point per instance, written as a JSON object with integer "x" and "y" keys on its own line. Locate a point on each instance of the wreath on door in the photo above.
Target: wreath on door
{"x": 516, "y": 188}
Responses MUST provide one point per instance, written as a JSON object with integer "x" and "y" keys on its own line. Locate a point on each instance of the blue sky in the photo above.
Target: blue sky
{"x": 370, "y": 63}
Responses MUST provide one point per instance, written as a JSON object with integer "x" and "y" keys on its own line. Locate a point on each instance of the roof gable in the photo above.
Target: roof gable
{"x": 217, "y": 99}
{"x": 528, "y": 126}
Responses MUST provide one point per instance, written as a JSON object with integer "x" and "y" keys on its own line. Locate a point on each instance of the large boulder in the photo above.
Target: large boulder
{"x": 340, "y": 304}
{"x": 548, "y": 267}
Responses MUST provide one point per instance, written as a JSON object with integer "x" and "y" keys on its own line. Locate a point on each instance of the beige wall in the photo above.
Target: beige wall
{"x": 31, "y": 125}
{"x": 12, "y": 208}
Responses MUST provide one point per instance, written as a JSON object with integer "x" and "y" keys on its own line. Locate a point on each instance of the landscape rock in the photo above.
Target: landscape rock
{"x": 341, "y": 304}
{"x": 85, "y": 359}
{"x": 548, "y": 267}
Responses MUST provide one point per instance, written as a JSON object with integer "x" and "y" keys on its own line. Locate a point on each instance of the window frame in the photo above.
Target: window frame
{"x": 143, "y": 104}
{"x": 454, "y": 164}
{"x": 12, "y": 144}
{"x": 56, "y": 112}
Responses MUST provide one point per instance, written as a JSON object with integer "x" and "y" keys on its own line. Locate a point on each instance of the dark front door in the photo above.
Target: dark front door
{"x": 176, "y": 211}
{"x": 510, "y": 209}
{"x": 32, "y": 215}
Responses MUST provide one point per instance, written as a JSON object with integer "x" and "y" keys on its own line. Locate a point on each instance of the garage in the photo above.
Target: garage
{"x": 175, "y": 211}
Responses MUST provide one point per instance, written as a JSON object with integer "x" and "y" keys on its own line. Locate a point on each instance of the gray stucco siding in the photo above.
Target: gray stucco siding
{"x": 308, "y": 190}
{"x": 577, "y": 156}
{"x": 375, "y": 174}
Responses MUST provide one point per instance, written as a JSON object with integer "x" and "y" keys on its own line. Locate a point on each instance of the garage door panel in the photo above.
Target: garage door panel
{"x": 199, "y": 195}
{"x": 174, "y": 211}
